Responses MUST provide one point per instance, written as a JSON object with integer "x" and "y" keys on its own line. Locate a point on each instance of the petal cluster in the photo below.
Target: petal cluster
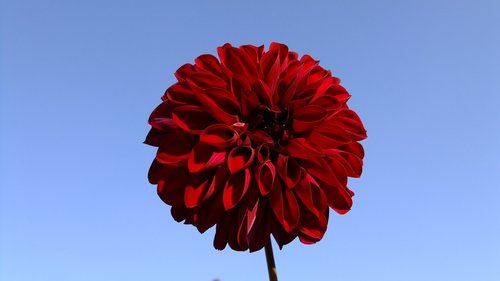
{"x": 257, "y": 143}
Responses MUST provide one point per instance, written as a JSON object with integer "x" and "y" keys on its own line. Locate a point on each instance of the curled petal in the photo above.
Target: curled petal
{"x": 196, "y": 188}
{"x": 203, "y": 186}
{"x": 239, "y": 158}
{"x": 285, "y": 206}
{"x": 219, "y": 135}
{"x": 327, "y": 176}
{"x": 311, "y": 195}
{"x": 236, "y": 187}
{"x": 204, "y": 157}
{"x": 265, "y": 176}
{"x": 289, "y": 170}
{"x": 247, "y": 214}
{"x": 208, "y": 214}
{"x": 312, "y": 226}
{"x": 263, "y": 153}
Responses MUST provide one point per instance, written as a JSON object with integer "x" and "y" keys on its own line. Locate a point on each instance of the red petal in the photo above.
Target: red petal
{"x": 327, "y": 141}
{"x": 238, "y": 61}
{"x": 171, "y": 185}
{"x": 239, "y": 158}
{"x": 332, "y": 131}
{"x": 223, "y": 231}
{"x": 316, "y": 75}
{"x": 285, "y": 206}
{"x": 327, "y": 83}
{"x": 349, "y": 121}
{"x": 302, "y": 148}
{"x": 270, "y": 68}
{"x": 210, "y": 63}
{"x": 196, "y": 188}
{"x": 205, "y": 79}
{"x": 354, "y": 148}
{"x": 208, "y": 214}
{"x": 184, "y": 71}
{"x": 193, "y": 119}
{"x": 222, "y": 104}
{"x": 329, "y": 103}
{"x": 255, "y": 53}
{"x": 176, "y": 147}
{"x": 204, "y": 156}
{"x": 336, "y": 91}
{"x": 160, "y": 118}
{"x": 218, "y": 183}
{"x": 308, "y": 62}
{"x": 155, "y": 137}
{"x": 245, "y": 221}
{"x": 289, "y": 170}
{"x": 180, "y": 93}
{"x": 351, "y": 162}
{"x": 337, "y": 194}
{"x": 260, "y": 137}
{"x": 259, "y": 235}
{"x": 219, "y": 135}
{"x": 311, "y": 195}
{"x": 262, "y": 90}
{"x": 282, "y": 50}
{"x": 308, "y": 118}
{"x": 263, "y": 153}
{"x": 312, "y": 226}
{"x": 235, "y": 188}
{"x": 265, "y": 174}
{"x": 180, "y": 213}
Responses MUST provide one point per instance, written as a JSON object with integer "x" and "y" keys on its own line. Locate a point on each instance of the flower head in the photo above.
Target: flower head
{"x": 258, "y": 143}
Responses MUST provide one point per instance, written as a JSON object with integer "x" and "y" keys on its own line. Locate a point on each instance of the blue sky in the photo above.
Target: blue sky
{"x": 78, "y": 80}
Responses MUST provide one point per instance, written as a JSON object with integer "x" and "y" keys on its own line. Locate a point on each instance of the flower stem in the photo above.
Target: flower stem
{"x": 271, "y": 266}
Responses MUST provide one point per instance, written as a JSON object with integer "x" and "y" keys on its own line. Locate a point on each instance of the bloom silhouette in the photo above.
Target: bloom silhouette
{"x": 258, "y": 143}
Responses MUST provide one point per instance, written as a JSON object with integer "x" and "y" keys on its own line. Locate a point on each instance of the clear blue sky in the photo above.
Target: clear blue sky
{"x": 78, "y": 80}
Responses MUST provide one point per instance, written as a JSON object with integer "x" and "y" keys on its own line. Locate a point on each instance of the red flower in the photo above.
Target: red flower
{"x": 258, "y": 143}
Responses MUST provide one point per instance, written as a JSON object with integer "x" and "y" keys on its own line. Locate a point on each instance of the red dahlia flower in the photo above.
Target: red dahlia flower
{"x": 258, "y": 143}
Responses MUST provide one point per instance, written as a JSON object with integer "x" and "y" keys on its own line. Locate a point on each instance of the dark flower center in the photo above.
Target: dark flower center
{"x": 272, "y": 121}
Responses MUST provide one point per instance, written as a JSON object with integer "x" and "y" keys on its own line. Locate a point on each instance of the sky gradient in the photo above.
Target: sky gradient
{"x": 78, "y": 80}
